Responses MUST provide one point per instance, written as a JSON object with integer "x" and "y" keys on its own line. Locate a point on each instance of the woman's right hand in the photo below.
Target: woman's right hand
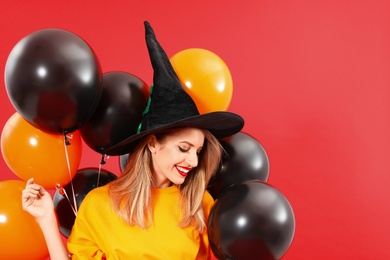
{"x": 37, "y": 201}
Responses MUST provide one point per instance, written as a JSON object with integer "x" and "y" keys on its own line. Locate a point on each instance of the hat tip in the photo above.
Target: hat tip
{"x": 148, "y": 29}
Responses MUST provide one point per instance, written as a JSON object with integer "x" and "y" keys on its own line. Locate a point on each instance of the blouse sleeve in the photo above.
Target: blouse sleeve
{"x": 83, "y": 241}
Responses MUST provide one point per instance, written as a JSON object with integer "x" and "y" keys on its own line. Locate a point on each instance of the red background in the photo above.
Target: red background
{"x": 311, "y": 79}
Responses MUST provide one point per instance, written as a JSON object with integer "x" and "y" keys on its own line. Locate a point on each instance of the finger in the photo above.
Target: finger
{"x": 28, "y": 203}
{"x": 42, "y": 190}
{"x": 30, "y": 181}
{"x": 33, "y": 186}
{"x": 29, "y": 192}
{"x": 29, "y": 200}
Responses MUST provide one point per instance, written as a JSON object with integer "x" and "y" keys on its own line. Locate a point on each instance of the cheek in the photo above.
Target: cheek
{"x": 170, "y": 157}
{"x": 163, "y": 158}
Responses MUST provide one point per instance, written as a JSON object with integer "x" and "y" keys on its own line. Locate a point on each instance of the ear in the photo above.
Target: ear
{"x": 152, "y": 144}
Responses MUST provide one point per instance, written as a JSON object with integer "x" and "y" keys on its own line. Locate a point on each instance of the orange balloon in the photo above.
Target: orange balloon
{"x": 206, "y": 78}
{"x": 30, "y": 152}
{"x": 20, "y": 235}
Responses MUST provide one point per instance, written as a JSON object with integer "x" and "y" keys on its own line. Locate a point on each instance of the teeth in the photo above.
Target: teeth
{"x": 183, "y": 169}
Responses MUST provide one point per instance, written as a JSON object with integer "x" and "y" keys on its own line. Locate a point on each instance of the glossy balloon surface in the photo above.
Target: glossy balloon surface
{"x": 245, "y": 159}
{"x": 206, "y": 78}
{"x": 119, "y": 112}
{"x": 53, "y": 80}
{"x": 252, "y": 220}
{"x": 20, "y": 235}
{"x": 32, "y": 153}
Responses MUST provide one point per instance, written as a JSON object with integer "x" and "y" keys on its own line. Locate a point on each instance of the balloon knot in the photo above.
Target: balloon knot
{"x": 60, "y": 189}
{"x": 66, "y": 140}
{"x": 102, "y": 161}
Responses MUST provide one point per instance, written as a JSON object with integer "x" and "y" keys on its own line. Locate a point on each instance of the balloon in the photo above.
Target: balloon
{"x": 245, "y": 160}
{"x": 206, "y": 78}
{"x": 251, "y": 220}
{"x": 83, "y": 182}
{"x": 119, "y": 111}
{"x": 123, "y": 161}
{"x": 30, "y": 152}
{"x": 20, "y": 235}
{"x": 53, "y": 80}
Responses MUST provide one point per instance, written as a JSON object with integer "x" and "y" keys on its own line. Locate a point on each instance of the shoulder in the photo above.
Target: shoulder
{"x": 207, "y": 197}
{"x": 208, "y": 201}
{"x": 96, "y": 197}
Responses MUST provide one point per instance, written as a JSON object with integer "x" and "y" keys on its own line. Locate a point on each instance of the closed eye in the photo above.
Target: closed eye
{"x": 183, "y": 150}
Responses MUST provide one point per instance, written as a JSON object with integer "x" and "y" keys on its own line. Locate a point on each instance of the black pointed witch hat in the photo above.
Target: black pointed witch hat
{"x": 170, "y": 106}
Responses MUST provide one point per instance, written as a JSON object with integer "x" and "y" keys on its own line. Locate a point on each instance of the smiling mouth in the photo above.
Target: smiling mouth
{"x": 183, "y": 171}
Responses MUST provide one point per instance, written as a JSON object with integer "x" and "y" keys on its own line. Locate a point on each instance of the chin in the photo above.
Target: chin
{"x": 178, "y": 181}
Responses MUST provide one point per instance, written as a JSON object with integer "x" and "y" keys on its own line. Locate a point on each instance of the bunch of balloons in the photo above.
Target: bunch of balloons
{"x": 54, "y": 81}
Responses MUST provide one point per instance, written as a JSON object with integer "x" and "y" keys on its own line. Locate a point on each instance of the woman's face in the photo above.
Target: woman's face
{"x": 175, "y": 155}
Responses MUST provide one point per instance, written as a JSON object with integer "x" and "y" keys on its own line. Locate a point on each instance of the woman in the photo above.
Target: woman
{"x": 158, "y": 207}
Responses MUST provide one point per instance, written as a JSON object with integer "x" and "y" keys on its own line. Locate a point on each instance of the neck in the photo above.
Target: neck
{"x": 161, "y": 183}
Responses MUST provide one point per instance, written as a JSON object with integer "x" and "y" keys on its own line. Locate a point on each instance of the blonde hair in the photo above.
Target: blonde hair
{"x": 131, "y": 195}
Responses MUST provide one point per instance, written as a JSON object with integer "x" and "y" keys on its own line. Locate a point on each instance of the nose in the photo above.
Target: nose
{"x": 192, "y": 159}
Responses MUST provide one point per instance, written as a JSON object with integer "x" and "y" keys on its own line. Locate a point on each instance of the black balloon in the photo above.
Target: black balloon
{"x": 124, "y": 98}
{"x": 245, "y": 160}
{"x": 251, "y": 220}
{"x": 83, "y": 182}
{"x": 53, "y": 79}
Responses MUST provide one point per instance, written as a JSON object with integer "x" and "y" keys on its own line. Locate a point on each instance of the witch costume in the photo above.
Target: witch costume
{"x": 99, "y": 233}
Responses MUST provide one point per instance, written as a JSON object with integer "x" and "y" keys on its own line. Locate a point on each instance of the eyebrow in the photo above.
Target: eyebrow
{"x": 190, "y": 144}
{"x": 186, "y": 142}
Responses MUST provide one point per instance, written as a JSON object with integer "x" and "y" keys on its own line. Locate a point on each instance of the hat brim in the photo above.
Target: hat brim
{"x": 219, "y": 124}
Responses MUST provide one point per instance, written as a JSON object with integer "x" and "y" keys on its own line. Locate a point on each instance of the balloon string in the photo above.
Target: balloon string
{"x": 66, "y": 143}
{"x": 98, "y": 177}
{"x": 67, "y": 197}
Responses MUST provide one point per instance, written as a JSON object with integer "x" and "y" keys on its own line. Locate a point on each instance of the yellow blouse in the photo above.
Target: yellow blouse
{"x": 99, "y": 233}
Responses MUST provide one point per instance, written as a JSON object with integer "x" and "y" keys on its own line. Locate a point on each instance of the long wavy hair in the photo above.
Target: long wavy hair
{"x": 131, "y": 193}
